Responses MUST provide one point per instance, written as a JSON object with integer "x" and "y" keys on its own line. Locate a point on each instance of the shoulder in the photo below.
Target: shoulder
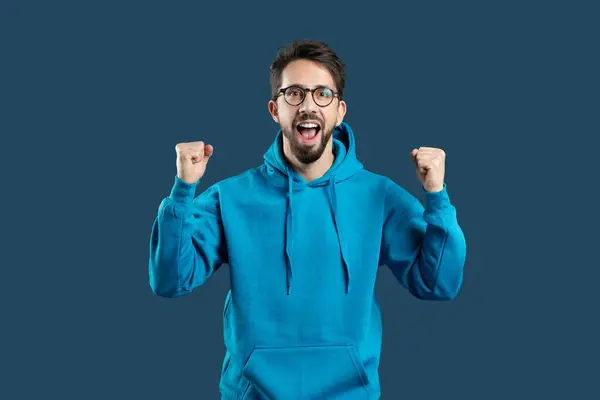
{"x": 371, "y": 180}
{"x": 242, "y": 182}
{"x": 397, "y": 199}
{"x": 385, "y": 184}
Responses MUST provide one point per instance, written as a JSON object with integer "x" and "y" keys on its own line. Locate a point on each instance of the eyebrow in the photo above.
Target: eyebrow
{"x": 305, "y": 87}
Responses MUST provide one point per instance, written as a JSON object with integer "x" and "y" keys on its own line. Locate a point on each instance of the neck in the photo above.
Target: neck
{"x": 315, "y": 170}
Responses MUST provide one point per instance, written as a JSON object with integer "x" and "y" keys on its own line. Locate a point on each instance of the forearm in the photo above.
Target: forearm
{"x": 425, "y": 246}
{"x": 438, "y": 269}
{"x": 185, "y": 245}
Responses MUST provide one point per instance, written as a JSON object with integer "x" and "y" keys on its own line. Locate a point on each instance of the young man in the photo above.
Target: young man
{"x": 304, "y": 234}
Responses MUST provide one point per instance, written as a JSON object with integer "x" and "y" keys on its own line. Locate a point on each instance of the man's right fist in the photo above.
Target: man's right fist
{"x": 191, "y": 160}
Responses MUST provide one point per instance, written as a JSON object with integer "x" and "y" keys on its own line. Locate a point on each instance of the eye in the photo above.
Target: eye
{"x": 293, "y": 92}
{"x": 324, "y": 92}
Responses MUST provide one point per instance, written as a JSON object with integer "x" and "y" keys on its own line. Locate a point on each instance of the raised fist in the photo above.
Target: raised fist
{"x": 191, "y": 160}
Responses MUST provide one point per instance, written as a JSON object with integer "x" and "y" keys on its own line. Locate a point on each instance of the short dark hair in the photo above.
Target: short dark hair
{"x": 313, "y": 50}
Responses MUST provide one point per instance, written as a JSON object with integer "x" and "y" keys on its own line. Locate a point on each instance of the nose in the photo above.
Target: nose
{"x": 308, "y": 105}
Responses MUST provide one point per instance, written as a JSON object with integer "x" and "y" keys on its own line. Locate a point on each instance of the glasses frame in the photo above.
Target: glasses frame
{"x": 312, "y": 93}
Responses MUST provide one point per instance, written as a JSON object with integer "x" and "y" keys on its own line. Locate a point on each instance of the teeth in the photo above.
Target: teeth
{"x": 308, "y": 125}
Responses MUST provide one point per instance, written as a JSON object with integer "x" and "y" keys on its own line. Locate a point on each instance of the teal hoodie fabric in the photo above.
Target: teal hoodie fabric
{"x": 301, "y": 320}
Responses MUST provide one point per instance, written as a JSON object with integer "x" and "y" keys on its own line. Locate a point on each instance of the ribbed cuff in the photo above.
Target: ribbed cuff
{"x": 435, "y": 201}
{"x": 183, "y": 192}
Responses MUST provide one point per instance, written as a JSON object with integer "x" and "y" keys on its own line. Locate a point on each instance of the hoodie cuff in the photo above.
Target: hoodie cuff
{"x": 183, "y": 192}
{"x": 436, "y": 201}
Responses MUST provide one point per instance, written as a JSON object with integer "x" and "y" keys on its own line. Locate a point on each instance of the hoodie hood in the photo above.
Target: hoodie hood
{"x": 281, "y": 174}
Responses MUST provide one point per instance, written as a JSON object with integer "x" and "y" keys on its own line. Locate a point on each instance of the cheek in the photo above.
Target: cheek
{"x": 331, "y": 117}
{"x": 285, "y": 117}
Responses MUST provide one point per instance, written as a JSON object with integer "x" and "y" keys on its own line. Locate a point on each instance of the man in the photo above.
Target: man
{"x": 304, "y": 234}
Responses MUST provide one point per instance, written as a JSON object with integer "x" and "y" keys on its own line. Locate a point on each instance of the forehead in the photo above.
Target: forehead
{"x": 306, "y": 73}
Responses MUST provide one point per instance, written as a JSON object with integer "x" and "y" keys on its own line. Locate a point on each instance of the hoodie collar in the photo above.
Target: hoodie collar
{"x": 344, "y": 166}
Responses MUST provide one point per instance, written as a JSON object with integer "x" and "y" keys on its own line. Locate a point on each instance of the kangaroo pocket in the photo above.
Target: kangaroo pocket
{"x": 306, "y": 372}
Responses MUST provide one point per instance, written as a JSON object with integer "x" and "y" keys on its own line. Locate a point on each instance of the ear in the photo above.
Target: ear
{"x": 341, "y": 112}
{"x": 274, "y": 111}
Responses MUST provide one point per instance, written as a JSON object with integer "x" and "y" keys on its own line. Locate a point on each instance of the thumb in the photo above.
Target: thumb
{"x": 208, "y": 152}
{"x": 413, "y": 155}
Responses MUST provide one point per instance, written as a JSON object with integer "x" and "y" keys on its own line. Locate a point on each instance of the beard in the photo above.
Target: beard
{"x": 306, "y": 153}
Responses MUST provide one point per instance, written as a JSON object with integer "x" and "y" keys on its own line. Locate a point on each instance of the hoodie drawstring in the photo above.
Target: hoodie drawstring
{"x": 289, "y": 233}
{"x": 334, "y": 205}
{"x": 289, "y": 236}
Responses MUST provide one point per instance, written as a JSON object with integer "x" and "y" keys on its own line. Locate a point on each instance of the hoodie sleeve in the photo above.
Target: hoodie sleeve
{"x": 187, "y": 242}
{"x": 424, "y": 247}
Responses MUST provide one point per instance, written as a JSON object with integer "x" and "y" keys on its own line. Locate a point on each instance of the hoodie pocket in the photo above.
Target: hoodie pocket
{"x": 306, "y": 372}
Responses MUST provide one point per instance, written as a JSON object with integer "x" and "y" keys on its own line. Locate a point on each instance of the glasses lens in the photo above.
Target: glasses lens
{"x": 294, "y": 95}
{"x": 323, "y": 96}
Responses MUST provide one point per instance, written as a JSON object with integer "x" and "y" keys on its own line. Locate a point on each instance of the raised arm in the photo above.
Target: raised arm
{"x": 187, "y": 242}
{"x": 424, "y": 247}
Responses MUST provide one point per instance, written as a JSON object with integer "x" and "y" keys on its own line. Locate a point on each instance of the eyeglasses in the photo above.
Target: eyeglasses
{"x": 295, "y": 95}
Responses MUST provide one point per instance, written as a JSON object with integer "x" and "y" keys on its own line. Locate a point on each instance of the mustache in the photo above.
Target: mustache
{"x": 305, "y": 117}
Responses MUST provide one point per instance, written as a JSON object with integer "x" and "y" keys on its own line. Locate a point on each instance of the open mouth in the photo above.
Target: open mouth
{"x": 308, "y": 131}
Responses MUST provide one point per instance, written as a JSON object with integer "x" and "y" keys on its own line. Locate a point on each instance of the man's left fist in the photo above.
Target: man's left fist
{"x": 430, "y": 164}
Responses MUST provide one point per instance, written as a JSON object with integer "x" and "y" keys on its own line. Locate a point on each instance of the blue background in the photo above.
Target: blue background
{"x": 95, "y": 95}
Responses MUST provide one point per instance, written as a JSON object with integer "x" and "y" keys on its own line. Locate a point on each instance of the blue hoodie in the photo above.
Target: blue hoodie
{"x": 301, "y": 320}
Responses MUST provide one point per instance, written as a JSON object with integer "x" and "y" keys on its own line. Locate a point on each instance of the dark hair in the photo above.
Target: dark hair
{"x": 313, "y": 50}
